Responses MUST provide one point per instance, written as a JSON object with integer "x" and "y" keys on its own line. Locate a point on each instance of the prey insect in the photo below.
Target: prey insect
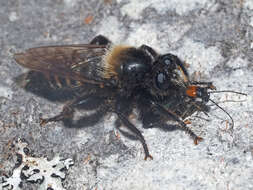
{"x": 121, "y": 78}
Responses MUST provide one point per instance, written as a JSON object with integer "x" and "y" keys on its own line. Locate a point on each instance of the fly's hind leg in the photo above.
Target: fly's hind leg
{"x": 100, "y": 40}
{"x": 67, "y": 111}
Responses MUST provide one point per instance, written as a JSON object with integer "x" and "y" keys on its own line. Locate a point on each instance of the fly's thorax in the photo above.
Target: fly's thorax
{"x": 112, "y": 61}
{"x": 128, "y": 65}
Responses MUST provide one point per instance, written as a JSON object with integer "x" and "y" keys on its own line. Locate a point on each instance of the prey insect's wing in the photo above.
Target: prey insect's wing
{"x": 76, "y": 62}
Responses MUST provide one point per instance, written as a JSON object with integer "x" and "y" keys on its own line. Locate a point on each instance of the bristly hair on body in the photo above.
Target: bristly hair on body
{"x": 111, "y": 60}
{"x": 106, "y": 78}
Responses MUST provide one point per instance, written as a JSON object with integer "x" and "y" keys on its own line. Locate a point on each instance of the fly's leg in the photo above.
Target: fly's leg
{"x": 100, "y": 40}
{"x": 149, "y": 50}
{"x": 137, "y": 133}
{"x": 67, "y": 112}
{"x": 122, "y": 106}
{"x": 171, "y": 115}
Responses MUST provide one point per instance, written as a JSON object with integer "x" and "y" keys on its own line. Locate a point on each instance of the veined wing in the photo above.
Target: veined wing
{"x": 68, "y": 61}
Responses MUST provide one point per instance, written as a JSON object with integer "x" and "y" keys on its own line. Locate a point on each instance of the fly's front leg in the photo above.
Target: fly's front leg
{"x": 171, "y": 115}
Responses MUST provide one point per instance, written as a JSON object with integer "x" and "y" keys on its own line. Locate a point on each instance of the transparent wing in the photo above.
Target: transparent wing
{"x": 77, "y": 62}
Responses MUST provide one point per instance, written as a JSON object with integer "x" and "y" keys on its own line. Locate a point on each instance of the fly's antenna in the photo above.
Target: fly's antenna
{"x": 232, "y": 121}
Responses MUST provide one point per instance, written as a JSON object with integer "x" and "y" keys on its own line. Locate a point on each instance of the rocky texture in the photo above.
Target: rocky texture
{"x": 214, "y": 37}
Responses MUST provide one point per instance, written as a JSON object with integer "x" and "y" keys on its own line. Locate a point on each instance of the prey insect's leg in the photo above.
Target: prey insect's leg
{"x": 207, "y": 84}
{"x": 138, "y": 134}
{"x": 182, "y": 125}
{"x": 100, "y": 40}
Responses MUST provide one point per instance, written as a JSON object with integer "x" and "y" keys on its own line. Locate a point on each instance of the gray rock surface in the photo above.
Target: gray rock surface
{"x": 215, "y": 37}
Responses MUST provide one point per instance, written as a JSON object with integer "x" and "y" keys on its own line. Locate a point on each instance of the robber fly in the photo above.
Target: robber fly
{"x": 121, "y": 78}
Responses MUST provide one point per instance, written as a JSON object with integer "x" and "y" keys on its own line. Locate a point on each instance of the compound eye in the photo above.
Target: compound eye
{"x": 162, "y": 81}
{"x": 168, "y": 62}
